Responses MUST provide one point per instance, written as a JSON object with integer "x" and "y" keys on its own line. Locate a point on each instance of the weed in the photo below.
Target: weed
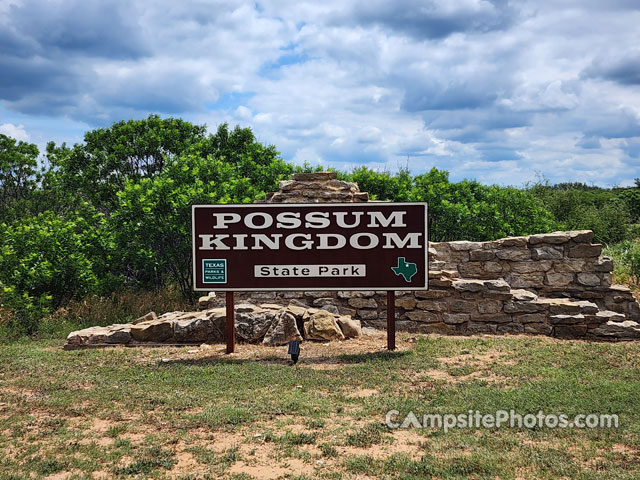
{"x": 152, "y": 458}
{"x": 365, "y": 437}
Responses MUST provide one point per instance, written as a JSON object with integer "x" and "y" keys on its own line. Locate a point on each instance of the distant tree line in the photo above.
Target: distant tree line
{"x": 113, "y": 213}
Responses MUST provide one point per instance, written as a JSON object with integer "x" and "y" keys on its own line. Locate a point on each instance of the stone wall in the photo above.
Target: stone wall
{"x": 552, "y": 284}
{"x": 319, "y": 187}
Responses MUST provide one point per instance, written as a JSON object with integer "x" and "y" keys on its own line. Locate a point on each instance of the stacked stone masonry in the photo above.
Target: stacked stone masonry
{"x": 320, "y": 187}
{"x": 552, "y": 284}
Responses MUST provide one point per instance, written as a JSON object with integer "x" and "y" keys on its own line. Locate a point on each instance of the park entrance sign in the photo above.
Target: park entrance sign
{"x": 336, "y": 246}
{"x": 310, "y": 246}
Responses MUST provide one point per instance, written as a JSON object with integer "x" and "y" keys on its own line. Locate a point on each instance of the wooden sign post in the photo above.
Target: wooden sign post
{"x": 391, "y": 320}
{"x": 230, "y": 326}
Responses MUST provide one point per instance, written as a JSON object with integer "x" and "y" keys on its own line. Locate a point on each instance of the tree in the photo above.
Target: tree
{"x": 152, "y": 221}
{"x": 46, "y": 260}
{"x": 250, "y": 158}
{"x": 382, "y": 185}
{"x": 468, "y": 210}
{"x": 18, "y": 173}
{"x": 134, "y": 149}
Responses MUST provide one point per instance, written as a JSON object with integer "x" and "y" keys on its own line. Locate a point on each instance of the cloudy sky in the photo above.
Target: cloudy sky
{"x": 496, "y": 90}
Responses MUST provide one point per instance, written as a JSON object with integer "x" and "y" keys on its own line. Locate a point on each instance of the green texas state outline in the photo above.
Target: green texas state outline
{"x": 406, "y": 269}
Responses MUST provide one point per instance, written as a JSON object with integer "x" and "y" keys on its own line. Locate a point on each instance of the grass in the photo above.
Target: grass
{"x": 126, "y": 413}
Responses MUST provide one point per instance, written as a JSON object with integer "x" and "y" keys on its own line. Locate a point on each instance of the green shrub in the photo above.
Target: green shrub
{"x": 626, "y": 258}
{"x": 46, "y": 260}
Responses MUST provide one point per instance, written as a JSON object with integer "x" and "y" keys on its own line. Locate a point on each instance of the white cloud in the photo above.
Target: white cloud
{"x": 14, "y": 131}
{"x": 489, "y": 89}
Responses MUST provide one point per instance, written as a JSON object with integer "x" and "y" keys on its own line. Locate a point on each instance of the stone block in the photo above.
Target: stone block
{"x": 561, "y": 306}
{"x": 466, "y": 285}
{"x": 367, "y": 314}
{"x": 525, "y": 280}
{"x": 352, "y": 312}
{"x": 492, "y": 318}
{"x": 550, "y": 238}
{"x": 458, "y": 256}
{"x": 581, "y": 236}
{"x": 558, "y": 279}
{"x": 355, "y": 294}
{"x": 461, "y": 306}
{"x": 583, "y": 250}
{"x": 622, "y": 289}
{"x": 546, "y": 253}
{"x": 569, "y": 331}
{"x": 589, "y": 295}
{"x": 524, "y": 307}
{"x": 510, "y": 242}
{"x": 476, "y": 327}
{"x": 440, "y": 282}
{"x": 530, "y": 318}
{"x": 511, "y": 328}
{"x": 587, "y": 308}
{"x": 437, "y": 265}
{"x": 432, "y": 294}
{"x": 321, "y": 326}
{"x": 433, "y": 306}
{"x": 271, "y": 306}
{"x": 246, "y": 307}
{"x": 456, "y": 318}
{"x": 566, "y": 319}
{"x": 155, "y": 331}
{"x": 625, "y": 330}
{"x": 197, "y": 329}
{"x": 490, "y": 306}
{"x": 538, "y": 328}
{"x": 588, "y": 279}
{"x": 296, "y": 310}
{"x": 407, "y": 303}
{"x": 331, "y": 309}
{"x": 350, "y": 328}
{"x": 514, "y": 254}
{"x": 498, "y": 285}
{"x": 363, "y": 303}
{"x": 319, "y": 293}
{"x": 401, "y": 325}
{"x": 604, "y": 264}
{"x": 313, "y": 177}
{"x": 88, "y": 336}
{"x": 150, "y": 316}
{"x": 494, "y": 267}
{"x": 440, "y": 249}
{"x": 530, "y": 267}
{"x": 319, "y": 302}
{"x": 463, "y": 246}
{"x": 523, "y": 295}
{"x": 491, "y": 295}
{"x": 118, "y": 334}
{"x": 423, "y": 316}
{"x": 570, "y": 265}
{"x": 481, "y": 255}
{"x": 298, "y": 303}
{"x": 471, "y": 269}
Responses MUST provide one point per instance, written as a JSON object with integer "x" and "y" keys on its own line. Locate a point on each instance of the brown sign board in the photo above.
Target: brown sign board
{"x": 331, "y": 246}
